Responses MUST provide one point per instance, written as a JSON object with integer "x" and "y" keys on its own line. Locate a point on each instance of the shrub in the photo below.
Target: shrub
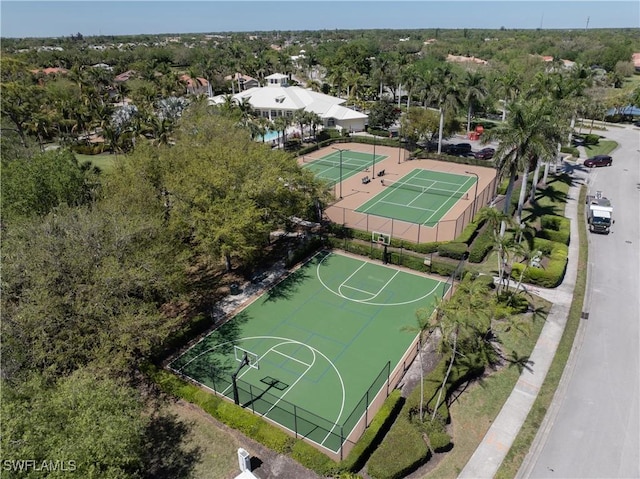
{"x": 554, "y": 228}
{"x": 402, "y": 451}
{"x": 591, "y": 139}
{"x": 453, "y": 250}
{"x": 470, "y": 232}
{"x": 481, "y": 246}
{"x": 552, "y": 275}
{"x": 376, "y": 431}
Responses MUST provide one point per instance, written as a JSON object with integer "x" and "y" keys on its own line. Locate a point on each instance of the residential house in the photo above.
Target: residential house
{"x": 196, "y": 86}
{"x": 278, "y": 98}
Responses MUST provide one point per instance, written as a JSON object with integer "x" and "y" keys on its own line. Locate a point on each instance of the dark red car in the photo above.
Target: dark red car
{"x": 485, "y": 154}
{"x": 598, "y": 160}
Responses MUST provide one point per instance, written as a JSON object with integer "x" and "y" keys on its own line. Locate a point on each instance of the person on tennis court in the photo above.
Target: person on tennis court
{"x": 382, "y": 182}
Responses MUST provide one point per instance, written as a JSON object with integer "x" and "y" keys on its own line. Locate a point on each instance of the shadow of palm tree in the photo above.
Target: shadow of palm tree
{"x": 520, "y": 362}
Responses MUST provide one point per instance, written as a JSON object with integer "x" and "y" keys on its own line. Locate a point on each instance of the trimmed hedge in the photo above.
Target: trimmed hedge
{"x": 243, "y": 420}
{"x": 481, "y": 246}
{"x": 453, "y": 250}
{"x": 551, "y": 276}
{"x": 376, "y": 431}
{"x": 401, "y": 452}
{"x": 554, "y": 228}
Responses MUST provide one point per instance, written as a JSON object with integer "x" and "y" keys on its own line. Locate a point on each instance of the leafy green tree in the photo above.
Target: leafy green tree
{"x": 475, "y": 91}
{"x": 383, "y": 114}
{"x": 84, "y": 286}
{"x": 93, "y": 426}
{"x": 37, "y": 185}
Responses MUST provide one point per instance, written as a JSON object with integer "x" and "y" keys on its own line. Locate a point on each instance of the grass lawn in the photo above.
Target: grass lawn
{"x": 604, "y": 147}
{"x": 218, "y": 450}
{"x": 104, "y": 162}
{"x": 474, "y": 411}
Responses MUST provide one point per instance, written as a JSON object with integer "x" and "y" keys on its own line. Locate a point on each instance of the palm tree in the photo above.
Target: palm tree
{"x": 446, "y": 94}
{"x": 475, "y": 90}
{"x": 509, "y": 88}
{"x": 465, "y": 327}
{"x": 426, "y": 323}
{"x": 530, "y": 132}
{"x": 280, "y": 124}
{"x": 498, "y": 222}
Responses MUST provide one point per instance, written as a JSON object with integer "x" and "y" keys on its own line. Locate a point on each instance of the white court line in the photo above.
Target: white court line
{"x": 285, "y": 341}
{"x": 420, "y": 194}
{"x": 359, "y": 290}
{"x": 291, "y": 386}
{"x": 291, "y": 358}
{"x": 351, "y": 276}
{"x": 390, "y": 191}
{"x": 444, "y": 203}
{"x": 404, "y": 206}
{"x": 364, "y": 301}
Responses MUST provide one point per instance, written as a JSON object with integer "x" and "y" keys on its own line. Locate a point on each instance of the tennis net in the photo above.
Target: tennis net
{"x": 346, "y": 164}
{"x": 430, "y": 190}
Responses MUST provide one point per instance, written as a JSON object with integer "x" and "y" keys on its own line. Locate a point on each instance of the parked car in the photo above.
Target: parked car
{"x": 428, "y": 145}
{"x": 485, "y": 153}
{"x": 458, "y": 149}
{"x": 598, "y": 160}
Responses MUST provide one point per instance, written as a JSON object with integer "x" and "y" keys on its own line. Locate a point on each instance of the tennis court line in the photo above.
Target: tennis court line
{"x": 403, "y": 205}
{"x": 443, "y": 204}
{"x": 391, "y": 190}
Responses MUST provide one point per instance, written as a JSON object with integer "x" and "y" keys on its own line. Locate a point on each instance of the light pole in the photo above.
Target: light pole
{"x": 373, "y": 166}
{"x": 400, "y": 141}
{"x": 475, "y": 194}
{"x": 340, "y": 150}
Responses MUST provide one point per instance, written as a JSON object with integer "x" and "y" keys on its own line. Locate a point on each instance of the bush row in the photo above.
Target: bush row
{"x": 440, "y": 266}
{"x": 555, "y": 228}
{"x": 404, "y": 449}
{"x": 481, "y": 246}
{"x": 273, "y": 437}
{"x": 550, "y": 276}
{"x": 244, "y": 421}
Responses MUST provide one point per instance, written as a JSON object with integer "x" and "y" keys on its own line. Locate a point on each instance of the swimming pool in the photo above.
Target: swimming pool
{"x": 270, "y": 136}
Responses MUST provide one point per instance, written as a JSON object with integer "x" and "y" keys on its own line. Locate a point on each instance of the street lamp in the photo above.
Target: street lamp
{"x": 475, "y": 194}
{"x": 340, "y": 150}
{"x": 373, "y": 166}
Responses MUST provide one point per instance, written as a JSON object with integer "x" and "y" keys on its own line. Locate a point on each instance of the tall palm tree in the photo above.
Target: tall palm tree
{"x": 530, "y": 132}
{"x": 446, "y": 94}
{"x": 475, "y": 90}
{"x": 280, "y": 124}
{"x": 497, "y": 222}
{"x": 508, "y": 86}
{"x": 426, "y": 324}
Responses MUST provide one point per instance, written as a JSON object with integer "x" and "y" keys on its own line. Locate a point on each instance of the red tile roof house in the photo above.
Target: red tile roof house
{"x": 635, "y": 58}
{"x": 197, "y": 86}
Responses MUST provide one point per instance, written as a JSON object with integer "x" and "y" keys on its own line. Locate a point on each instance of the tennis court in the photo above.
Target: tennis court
{"x": 328, "y": 167}
{"x": 421, "y": 196}
{"x": 321, "y": 345}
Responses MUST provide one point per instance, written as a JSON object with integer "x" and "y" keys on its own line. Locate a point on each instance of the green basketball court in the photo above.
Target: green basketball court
{"x": 353, "y": 162}
{"x": 320, "y": 345}
{"x": 420, "y": 196}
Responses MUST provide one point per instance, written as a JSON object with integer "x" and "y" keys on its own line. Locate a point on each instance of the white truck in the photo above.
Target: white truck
{"x": 599, "y": 213}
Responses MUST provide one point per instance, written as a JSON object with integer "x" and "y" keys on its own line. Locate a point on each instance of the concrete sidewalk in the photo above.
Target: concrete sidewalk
{"x": 488, "y": 457}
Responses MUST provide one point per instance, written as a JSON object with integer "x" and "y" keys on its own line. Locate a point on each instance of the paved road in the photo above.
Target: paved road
{"x": 593, "y": 427}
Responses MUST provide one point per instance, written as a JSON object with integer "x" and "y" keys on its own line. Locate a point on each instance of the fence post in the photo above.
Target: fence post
{"x": 253, "y": 409}
{"x": 341, "y": 442}
{"x": 366, "y": 409}
{"x": 295, "y": 420}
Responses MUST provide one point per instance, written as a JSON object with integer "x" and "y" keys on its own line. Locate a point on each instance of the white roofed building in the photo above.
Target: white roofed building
{"x": 278, "y": 98}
